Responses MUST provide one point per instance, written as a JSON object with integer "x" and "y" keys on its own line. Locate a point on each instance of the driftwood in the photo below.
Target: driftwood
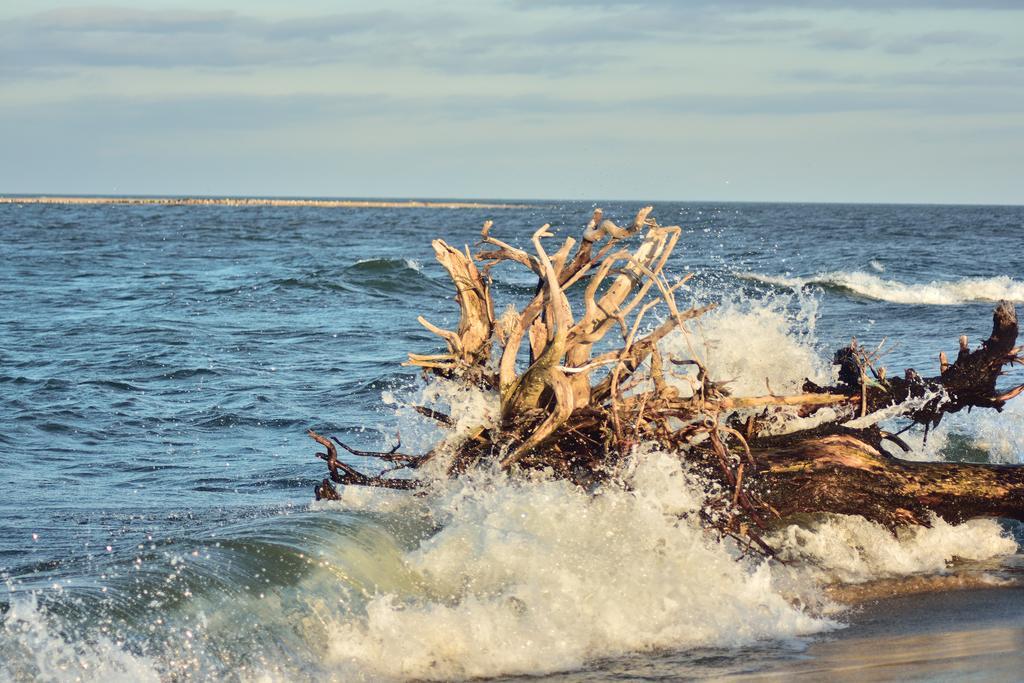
{"x": 575, "y": 403}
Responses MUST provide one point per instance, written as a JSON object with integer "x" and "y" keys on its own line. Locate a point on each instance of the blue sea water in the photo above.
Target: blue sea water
{"x": 160, "y": 365}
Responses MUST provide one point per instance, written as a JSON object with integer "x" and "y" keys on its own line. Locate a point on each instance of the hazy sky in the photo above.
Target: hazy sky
{"x": 790, "y": 100}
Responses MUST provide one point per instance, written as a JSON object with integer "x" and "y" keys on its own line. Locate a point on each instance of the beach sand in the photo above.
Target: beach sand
{"x": 247, "y": 201}
{"x": 961, "y": 635}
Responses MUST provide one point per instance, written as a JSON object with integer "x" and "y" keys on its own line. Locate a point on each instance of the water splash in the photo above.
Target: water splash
{"x": 541, "y": 576}
{"x": 850, "y": 549}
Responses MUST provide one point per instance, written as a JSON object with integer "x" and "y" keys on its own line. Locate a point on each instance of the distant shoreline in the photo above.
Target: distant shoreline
{"x": 245, "y": 201}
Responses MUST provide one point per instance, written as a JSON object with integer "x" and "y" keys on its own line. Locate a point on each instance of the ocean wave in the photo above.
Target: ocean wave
{"x": 32, "y": 647}
{"x": 976, "y": 436}
{"x": 935, "y": 293}
{"x": 542, "y": 577}
{"x": 317, "y": 284}
{"x": 849, "y": 549}
{"x": 392, "y": 276}
{"x": 219, "y": 418}
{"x": 484, "y": 576}
{"x": 385, "y": 265}
{"x": 371, "y": 277}
{"x": 186, "y": 373}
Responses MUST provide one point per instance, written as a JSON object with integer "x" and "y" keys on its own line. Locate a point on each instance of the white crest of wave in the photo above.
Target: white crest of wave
{"x": 541, "y": 576}
{"x": 31, "y": 649}
{"x": 850, "y": 549}
{"x": 936, "y": 293}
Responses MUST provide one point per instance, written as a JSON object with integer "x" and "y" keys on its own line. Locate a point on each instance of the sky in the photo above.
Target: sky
{"x": 907, "y": 101}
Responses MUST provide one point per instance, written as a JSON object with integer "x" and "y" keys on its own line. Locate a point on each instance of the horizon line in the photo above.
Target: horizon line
{"x": 326, "y": 201}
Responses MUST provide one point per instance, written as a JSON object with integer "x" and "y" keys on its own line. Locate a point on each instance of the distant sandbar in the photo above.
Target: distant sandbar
{"x": 250, "y": 201}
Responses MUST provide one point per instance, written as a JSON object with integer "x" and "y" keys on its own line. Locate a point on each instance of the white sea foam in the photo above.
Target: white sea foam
{"x": 522, "y": 577}
{"x": 541, "y": 576}
{"x": 754, "y": 347}
{"x": 889, "y": 412}
{"x": 757, "y": 347}
{"x": 1001, "y": 435}
{"x": 850, "y": 549}
{"x": 936, "y": 293}
{"x": 31, "y": 649}
{"x": 468, "y": 407}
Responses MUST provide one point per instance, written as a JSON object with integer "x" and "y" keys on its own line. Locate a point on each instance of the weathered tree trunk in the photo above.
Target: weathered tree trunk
{"x": 557, "y": 414}
{"x": 843, "y": 473}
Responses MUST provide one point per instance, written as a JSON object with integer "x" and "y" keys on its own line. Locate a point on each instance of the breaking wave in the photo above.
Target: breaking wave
{"x": 483, "y": 577}
{"x": 848, "y": 549}
{"x": 935, "y": 293}
{"x": 754, "y": 347}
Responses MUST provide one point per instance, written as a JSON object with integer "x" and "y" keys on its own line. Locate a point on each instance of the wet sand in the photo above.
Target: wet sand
{"x": 961, "y": 635}
{"x": 255, "y": 201}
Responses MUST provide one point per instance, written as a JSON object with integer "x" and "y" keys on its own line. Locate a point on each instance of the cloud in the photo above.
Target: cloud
{"x": 380, "y": 22}
{"x": 997, "y": 80}
{"x": 841, "y": 39}
{"x": 558, "y": 45}
{"x": 115, "y": 36}
{"x": 912, "y": 44}
{"x": 651, "y": 44}
{"x": 902, "y": 44}
{"x": 128, "y": 115}
{"x": 163, "y": 39}
{"x": 758, "y": 5}
{"x": 843, "y": 101}
{"x": 127, "y": 20}
{"x": 639, "y": 26}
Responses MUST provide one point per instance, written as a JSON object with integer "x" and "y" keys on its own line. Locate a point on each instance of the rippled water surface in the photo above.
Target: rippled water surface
{"x": 159, "y": 367}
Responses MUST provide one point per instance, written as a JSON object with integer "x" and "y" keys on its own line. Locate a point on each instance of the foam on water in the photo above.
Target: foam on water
{"x": 32, "y": 649}
{"x": 753, "y": 347}
{"x": 1001, "y": 434}
{"x": 469, "y": 408}
{"x": 936, "y": 293}
{"x": 539, "y": 576}
{"x": 850, "y": 549}
{"x": 542, "y": 576}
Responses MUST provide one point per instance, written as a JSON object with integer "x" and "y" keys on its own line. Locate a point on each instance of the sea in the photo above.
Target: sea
{"x": 161, "y": 365}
